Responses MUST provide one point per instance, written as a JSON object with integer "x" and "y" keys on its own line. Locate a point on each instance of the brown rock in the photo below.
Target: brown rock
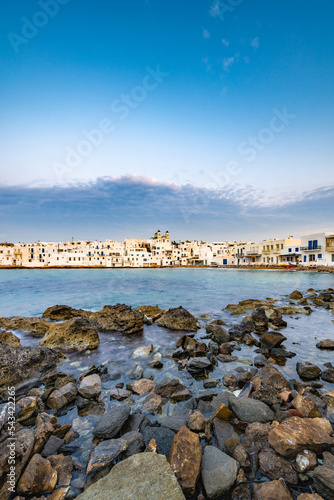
{"x": 240, "y": 455}
{"x": 309, "y": 496}
{"x": 59, "y": 494}
{"x": 120, "y": 394}
{"x": 297, "y": 434}
{"x": 74, "y": 334}
{"x": 222, "y": 412}
{"x": 178, "y": 319}
{"x": 28, "y": 407}
{"x": 119, "y": 318}
{"x": 39, "y": 477}
{"x": 45, "y": 426}
{"x": 152, "y": 403}
{"x": 196, "y": 421}
{"x": 64, "y": 466}
{"x": 272, "y": 339}
{"x": 141, "y": 386}
{"x": 35, "y": 326}
{"x": 168, "y": 388}
{"x": 242, "y": 491}
{"x": 152, "y": 447}
{"x": 230, "y": 380}
{"x": 326, "y": 344}
{"x": 295, "y": 295}
{"x": 152, "y": 312}
{"x": 323, "y": 478}
{"x": 306, "y": 460}
{"x": 306, "y": 406}
{"x": 272, "y": 490}
{"x": 272, "y": 377}
{"x": 275, "y": 467}
{"x": 185, "y": 459}
{"x": 60, "y": 398}
{"x": 9, "y": 338}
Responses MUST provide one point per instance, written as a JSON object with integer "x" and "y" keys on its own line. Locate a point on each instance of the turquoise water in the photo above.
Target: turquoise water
{"x": 30, "y": 292}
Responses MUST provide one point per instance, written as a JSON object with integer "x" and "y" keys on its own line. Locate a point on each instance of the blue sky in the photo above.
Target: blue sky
{"x": 157, "y": 100}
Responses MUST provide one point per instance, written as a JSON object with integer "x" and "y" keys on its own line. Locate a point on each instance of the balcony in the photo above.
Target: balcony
{"x": 253, "y": 254}
{"x": 310, "y": 249}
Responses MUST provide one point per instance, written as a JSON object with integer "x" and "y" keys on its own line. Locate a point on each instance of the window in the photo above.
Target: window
{"x": 319, "y": 255}
{"x": 290, "y": 250}
{"x": 332, "y": 257}
{"x": 282, "y": 246}
{"x": 297, "y": 249}
{"x": 311, "y": 257}
{"x": 304, "y": 258}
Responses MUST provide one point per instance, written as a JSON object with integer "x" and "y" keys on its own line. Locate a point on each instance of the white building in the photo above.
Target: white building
{"x": 317, "y": 249}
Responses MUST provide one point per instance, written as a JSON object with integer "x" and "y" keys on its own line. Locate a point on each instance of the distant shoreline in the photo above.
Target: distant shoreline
{"x": 318, "y": 269}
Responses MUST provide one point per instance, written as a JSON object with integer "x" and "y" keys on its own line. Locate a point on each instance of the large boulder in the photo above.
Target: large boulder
{"x": 119, "y": 318}
{"x": 144, "y": 476}
{"x": 178, "y": 318}
{"x": 35, "y": 326}
{"x": 63, "y": 313}
{"x": 185, "y": 458}
{"x": 74, "y": 334}
{"x": 18, "y": 364}
{"x": 112, "y": 421}
{"x": 251, "y": 410}
{"x": 219, "y": 472}
{"x": 9, "y": 338}
{"x": 297, "y": 434}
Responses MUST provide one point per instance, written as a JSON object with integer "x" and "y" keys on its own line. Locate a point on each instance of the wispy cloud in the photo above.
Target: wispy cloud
{"x": 206, "y": 34}
{"x": 225, "y": 42}
{"x": 116, "y": 207}
{"x": 227, "y": 63}
{"x": 255, "y": 42}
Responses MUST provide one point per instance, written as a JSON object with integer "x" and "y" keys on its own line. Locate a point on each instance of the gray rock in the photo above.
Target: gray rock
{"x": 112, "y": 421}
{"x": 105, "y": 453}
{"x": 90, "y": 387}
{"x": 199, "y": 366}
{"x": 178, "y": 319}
{"x": 177, "y": 420}
{"x": 223, "y": 431}
{"x": 52, "y": 446}
{"x": 218, "y": 333}
{"x": 145, "y": 476}
{"x": 219, "y": 472}
{"x": 308, "y": 370}
{"x": 135, "y": 442}
{"x": 251, "y": 410}
{"x": 163, "y": 437}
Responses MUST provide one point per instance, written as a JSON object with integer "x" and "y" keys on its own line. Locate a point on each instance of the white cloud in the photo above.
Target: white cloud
{"x": 206, "y": 34}
{"x": 225, "y": 42}
{"x": 255, "y": 42}
{"x": 227, "y": 63}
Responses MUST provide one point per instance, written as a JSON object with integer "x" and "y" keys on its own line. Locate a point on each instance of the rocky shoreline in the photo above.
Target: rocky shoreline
{"x": 147, "y": 434}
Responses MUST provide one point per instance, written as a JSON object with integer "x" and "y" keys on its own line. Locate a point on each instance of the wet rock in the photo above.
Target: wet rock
{"x": 271, "y": 340}
{"x": 162, "y": 436}
{"x": 143, "y": 351}
{"x": 272, "y": 378}
{"x": 306, "y": 460}
{"x": 218, "y": 333}
{"x": 23, "y": 447}
{"x": 18, "y": 364}
{"x": 222, "y": 412}
{"x": 59, "y": 494}
{"x": 63, "y": 313}
{"x": 39, "y": 477}
{"x": 306, "y": 406}
{"x": 177, "y": 420}
{"x": 151, "y": 447}
{"x": 260, "y": 361}
{"x": 196, "y": 421}
{"x": 272, "y": 490}
{"x": 178, "y": 319}
{"x": 211, "y": 382}
{"x": 295, "y": 295}
{"x": 198, "y": 366}
{"x": 119, "y": 318}
{"x": 27, "y": 407}
{"x": 9, "y": 338}
{"x": 105, "y": 453}
{"x": 275, "y": 467}
{"x": 267, "y": 396}
{"x": 45, "y": 426}
{"x": 326, "y": 344}
{"x": 173, "y": 389}
{"x": 64, "y": 466}
{"x": 260, "y": 320}
{"x": 34, "y": 326}
{"x": 297, "y": 434}
{"x": 57, "y": 379}
{"x": 291, "y": 310}
{"x": 74, "y": 334}
{"x": 323, "y": 478}
{"x": 230, "y": 380}
{"x": 52, "y": 446}
{"x": 136, "y": 373}
{"x": 90, "y": 387}
{"x": 223, "y": 431}
{"x": 120, "y": 394}
{"x": 185, "y": 459}
{"x": 62, "y": 397}
{"x": 141, "y": 386}
{"x": 145, "y": 476}
{"x": 152, "y": 404}
{"x": 112, "y": 421}
{"x": 219, "y": 472}
{"x": 308, "y": 370}
{"x": 152, "y": 312}
{"x": 135, "y": 442}
{"x": 251, "y": 410}
{"x": 328, "y": 375}
{"x": 225, "y": 358}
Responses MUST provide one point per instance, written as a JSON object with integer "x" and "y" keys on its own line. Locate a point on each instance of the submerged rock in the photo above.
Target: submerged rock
{"x": 145, "y": 476}
{"x": 219, "y": 472}
{"x": 76, "y": 333}
{"x": 178, "y": 319}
